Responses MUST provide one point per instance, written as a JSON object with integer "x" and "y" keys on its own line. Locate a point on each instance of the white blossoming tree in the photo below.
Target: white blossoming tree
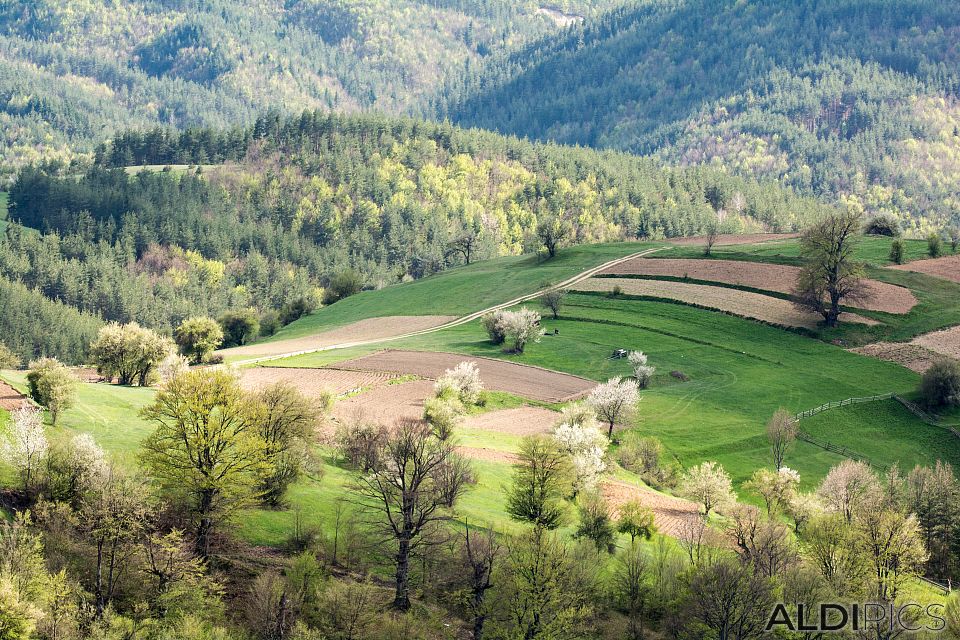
{"x": 24, "y": 444}
{"x": 777, "y": 488}
{"x": 614, "y": 401}
{"x": 462, "y": 382}
{"x": 641, "y": 370}
{"x": 709, "y": 485}
{"x": 580, "y": 437}
{"x": 520, "y": 327}
{"x": 848, "y": 486}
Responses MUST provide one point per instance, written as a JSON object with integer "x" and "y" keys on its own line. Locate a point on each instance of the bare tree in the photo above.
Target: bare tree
{"x": 465, "y": 243}
{"x": 481, "y": 553}
{"x": 781, "y": 433}
{"x": 710, "y": 239}
{"x": 730, "y": 599}
{"x": 553, "y": 300}
{"x": 404, "y": 489}
{"x": 830, "y": 276}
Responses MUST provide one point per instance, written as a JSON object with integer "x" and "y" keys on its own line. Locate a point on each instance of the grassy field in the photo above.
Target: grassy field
{"x": 740, "y": 373}
{"x": 461, "y": 290}
{"x": 938, "y": 300}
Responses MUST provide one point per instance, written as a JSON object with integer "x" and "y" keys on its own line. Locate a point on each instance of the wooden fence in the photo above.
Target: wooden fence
{"x": 839, "y": 450}
{"x": 840, "y": 403}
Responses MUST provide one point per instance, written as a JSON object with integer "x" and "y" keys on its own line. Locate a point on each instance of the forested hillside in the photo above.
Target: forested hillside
{"x": 73, "y": 71}
{"x": 321, "y": 205}
{"x": 847, "y": 99}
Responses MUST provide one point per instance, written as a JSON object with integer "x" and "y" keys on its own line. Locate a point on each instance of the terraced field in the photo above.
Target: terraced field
{"x": 878, "y": 296}
{"x": 746, "y": 304}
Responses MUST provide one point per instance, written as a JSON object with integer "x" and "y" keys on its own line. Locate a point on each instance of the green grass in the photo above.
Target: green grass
{"x": 461, "y": 290}
{"x": 741, "y": 372}
{"x": 885, "y": 430}
{"x": 871, "y": 249}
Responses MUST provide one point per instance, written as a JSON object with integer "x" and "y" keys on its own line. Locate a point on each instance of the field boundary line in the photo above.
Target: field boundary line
{"x": 841, "y": 403}
{"x": 589, "y": 273}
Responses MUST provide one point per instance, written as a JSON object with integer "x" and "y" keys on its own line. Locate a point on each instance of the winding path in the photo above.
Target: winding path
{"x": 569, "y": 282}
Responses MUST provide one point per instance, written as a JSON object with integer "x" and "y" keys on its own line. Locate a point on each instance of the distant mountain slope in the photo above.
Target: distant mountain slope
{"x": 71, "y": 71}
{"x": 844, "y": 98}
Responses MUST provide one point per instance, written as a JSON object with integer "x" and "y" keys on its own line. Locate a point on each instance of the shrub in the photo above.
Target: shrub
{"x": 52, "y": 385}
{"x": 641, "y": 371}
{"x": 883, "y": 224}
{"x": 8, "y": 359}
{"x": 519, "y": 327}
{"x": 443, "y": 414}
{"x": 553, "y": 300}
{"x": 934, "y": 245}
{"x": 616, "y": 292}
{"x": 198, "y": 337}
{"x": 360, "y": 443}
{"x": 954, "y": 234}
{"x": 940, "y": 384}
{"x": 896, "y": 251}
{"x": 269, "y": 323}
{"x": 296, "y": 309}
{"x": 462, "y": 382}
{"x": 343, "y": 284}
{"x": 492, "y": 323}
{"x": 239, "y": 327}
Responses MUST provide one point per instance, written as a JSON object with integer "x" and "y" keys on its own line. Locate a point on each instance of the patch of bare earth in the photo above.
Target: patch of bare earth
{"x": 878, "y": 296}
{"x": 947, "y": 267}
{"x": 731, "y": 239}
{"x": 499, "y": 375}
{"x": 522, "y": 421}
{"x": 945, "y": 342}
{"x": 741, "y": 303}
{"x": 368, "y": 330}
{"x": 311, "y": 382}
{"x": 909, "y": 355}
{"x": 670, "y": 514}
{"x": 488, "y": 455}
{"x": 386, "y": 404}
{"x": 10, "y": 398}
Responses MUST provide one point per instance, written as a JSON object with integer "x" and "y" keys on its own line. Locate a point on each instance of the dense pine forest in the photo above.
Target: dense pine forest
{"x": 294, "y": 205}
{"x": 853, "y": 100}
{"x": 73, "y": 72}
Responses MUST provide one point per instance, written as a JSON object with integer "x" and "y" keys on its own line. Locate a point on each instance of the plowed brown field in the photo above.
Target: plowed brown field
{"x": 741, "y": 303}
{"x": 522, "y": 421}
{"x": 385, "y": 404}
{"x": 947, "y": 267}
{"x": 945, "y": 342}
{"x": 879, "y": 296}
{"x": 669, "y": 513}
{"x": 10, "y": 398}
{"x": 311, "y": 382}
{"x": 498, "y": 375}
{"x": 366, "y": 330}
{"x": 909, "y": 355}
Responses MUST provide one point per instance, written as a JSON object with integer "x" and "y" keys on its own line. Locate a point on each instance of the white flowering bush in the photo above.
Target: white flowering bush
{"x": 641, "y": 370}
{"x": 172, "y": 366}
{"x": 587, "y": 447}
{"x": 87, "y": 462}
{"x": 462, "y": 382}
{"x": 520, "y": 327}
{"x": 24, "y": 445}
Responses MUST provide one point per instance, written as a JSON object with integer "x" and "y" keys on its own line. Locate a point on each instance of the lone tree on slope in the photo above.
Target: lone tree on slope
{"x": 830, "y": 275}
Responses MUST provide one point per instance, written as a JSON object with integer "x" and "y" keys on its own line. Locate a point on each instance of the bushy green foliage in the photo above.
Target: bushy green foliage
{"x": 940, "y": 384}
{"x": 198, "y": 337}
{"x": 52, "y": 385}
{"x": 896, "y": 251}
{"x": 239, "y": 327}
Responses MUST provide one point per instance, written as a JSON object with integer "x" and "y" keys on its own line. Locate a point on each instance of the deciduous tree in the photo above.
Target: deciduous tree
{"x": 614, "y": 401}
{"x": 781, "y": 433}
{"x": 709, "y": 485}
{"x": 52, "y": 385}
{"x": 198, "y": 337}
{"x": 830, "y": 275}
{"x": 205, "y": 450}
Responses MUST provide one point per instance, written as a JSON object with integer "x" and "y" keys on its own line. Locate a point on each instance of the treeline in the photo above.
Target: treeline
{"x": 74, "y": 71}
{"x": 307, "y": 198}
{"x": 854, "y": 99}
